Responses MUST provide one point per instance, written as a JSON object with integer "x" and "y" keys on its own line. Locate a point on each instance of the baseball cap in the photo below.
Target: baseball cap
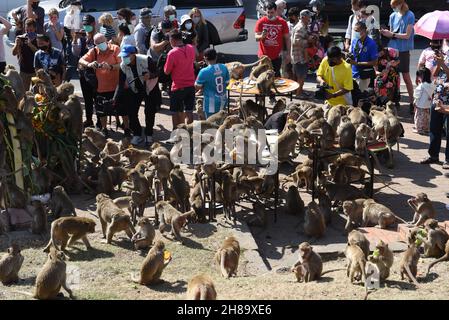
{"x": 210, "y": 54}
{"x": 88, "y": 19}
{"x": 306, "y": 13}
{"x": 184, "y": 18}
{"x": 127, "y": 50}
{"x": 145, "y": 12}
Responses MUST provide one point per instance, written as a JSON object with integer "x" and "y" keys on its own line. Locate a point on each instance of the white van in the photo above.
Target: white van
{"x": 7, "y": 5}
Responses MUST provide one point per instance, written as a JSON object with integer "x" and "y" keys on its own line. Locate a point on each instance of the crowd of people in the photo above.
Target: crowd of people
{"x": 125, "y": 60}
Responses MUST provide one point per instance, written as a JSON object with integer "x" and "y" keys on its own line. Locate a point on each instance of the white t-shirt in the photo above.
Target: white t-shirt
{"x": 423, "y": 95}
{"x": 128, "y": 39}
{"x": 2, "y": 43}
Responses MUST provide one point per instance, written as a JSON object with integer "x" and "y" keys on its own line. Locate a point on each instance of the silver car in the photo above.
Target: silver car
{"x": 225, "y": 18}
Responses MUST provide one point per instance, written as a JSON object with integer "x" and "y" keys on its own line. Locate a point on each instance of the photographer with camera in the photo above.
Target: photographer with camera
{"x": 24, "y": 48}
{"x": 5, "y": 26}
{"x": 334, "y": 77}
{"x": 105, "y": 61}
{"x": 363, "y": 57}
{"x": 428, "y": 56}
{"x": 31, "y": 10}
{"x": 49, "y": 59}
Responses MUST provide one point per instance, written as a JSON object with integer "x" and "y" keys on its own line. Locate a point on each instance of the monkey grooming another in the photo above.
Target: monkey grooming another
{"x": 153, "y": 265}
{"x": 201, "y": 287}
{"x": 52, "y": 277}
{"x": 423, "y": 209}
{"x": 169, "y": 215}
{"x": 309, "y": 265}
{"x": 10, "y": 265}
{"x": 356, "y": 263}
{"x": 227, "y": 257}
{"x": 144, "y": 237}
{"x": 68, "y": 230}
{"x": 112, "y": 218}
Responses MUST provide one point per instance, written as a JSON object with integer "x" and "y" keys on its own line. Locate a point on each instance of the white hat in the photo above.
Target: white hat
{"x": 279, "y": 2}
{"x": 184, "y": 18}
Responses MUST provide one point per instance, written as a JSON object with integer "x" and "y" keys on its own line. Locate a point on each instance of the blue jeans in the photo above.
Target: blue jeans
{"x": 437, "y": 121}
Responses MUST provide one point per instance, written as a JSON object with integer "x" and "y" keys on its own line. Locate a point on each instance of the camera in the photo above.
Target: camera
{"x": 348, "y": 57}
{"x": 320, "y": 94}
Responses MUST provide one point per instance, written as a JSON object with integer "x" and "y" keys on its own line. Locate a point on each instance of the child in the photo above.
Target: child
{"x": 423, "y": 98}
{"x": 107, "y": 27}
{"x": 54, "y": 29}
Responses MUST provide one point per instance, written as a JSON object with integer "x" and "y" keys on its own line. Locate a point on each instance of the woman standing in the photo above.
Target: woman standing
{"x": 402, "y": 35}
{"x": 202, "y": 32}
{"x": 54, "y": 30}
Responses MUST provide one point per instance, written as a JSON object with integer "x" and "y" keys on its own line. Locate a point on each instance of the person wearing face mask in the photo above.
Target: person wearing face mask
{"x": 353, "y": 19}
{"x": 202, "y": 32}
{"x": 401, "y": 35}
{"x": 106, "y": 22}
{"x": 104, "y": 59}
{"x": 364, "y": 51}
{"x": 281, "y": 10}
{"x": 272, "y": 34}
{"x": 188, "y": 32}
{"x": 170, "y": 15}
{"x": 5, "y": 26}
{"x": 25, "y": 48}
{"x": 124, "y": 36}
{"x": 49, "y": 59}
{"x": 142, "y": 33}
{"x": 83, "y": 41}
{"x": 54, "y": 30}
{"x": 427, "y": 57}
{"x": 320, "y": 20}
{"x": 336, "y": 74}
{"x": 137, "y": 83}
{"x": 159, "y": 48}
{"x": 30, "y": 10}
{"x": 125, "y": 15}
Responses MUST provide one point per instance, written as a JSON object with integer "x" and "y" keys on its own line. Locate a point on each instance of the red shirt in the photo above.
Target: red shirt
{"x": 274, "y": 42}
{"x": 180, "y": 65}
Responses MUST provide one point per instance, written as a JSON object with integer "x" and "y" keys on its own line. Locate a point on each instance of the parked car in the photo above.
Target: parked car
{"x": 225, "y": 18}
{"x": 339, "y": 10}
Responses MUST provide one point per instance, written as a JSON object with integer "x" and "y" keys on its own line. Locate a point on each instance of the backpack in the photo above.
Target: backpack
{"x": 148, "y": 37}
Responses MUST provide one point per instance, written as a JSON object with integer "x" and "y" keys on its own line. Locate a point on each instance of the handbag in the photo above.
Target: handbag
{"x": 90, "y": 75}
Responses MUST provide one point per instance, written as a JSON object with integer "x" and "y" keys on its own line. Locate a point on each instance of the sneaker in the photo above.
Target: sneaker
{"x": 445, "y": 165}
{"x": 429, "y": 160}
{"x": 136, "y": 140}
{"x": 88, "y": 124}
{"x": 105, "y": 132}
{"x": 127, "y": 132}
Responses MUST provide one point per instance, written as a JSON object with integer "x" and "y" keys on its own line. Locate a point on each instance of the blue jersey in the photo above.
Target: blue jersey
{"x": 214, "y": 80}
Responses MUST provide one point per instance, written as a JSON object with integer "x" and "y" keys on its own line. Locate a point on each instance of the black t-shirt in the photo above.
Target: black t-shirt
{"x": 26, "y": 58}
{"x": 276, "y": 121}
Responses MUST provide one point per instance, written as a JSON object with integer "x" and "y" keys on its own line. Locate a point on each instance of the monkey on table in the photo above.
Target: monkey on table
{"x": 423, "y": 209}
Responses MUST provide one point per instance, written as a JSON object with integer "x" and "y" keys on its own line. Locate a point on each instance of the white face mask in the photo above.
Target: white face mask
{"x": 134, "y": 22}
{"x": 196, "y": 20}
{"x": 188, "y": 26}
{"x": 396, "y": 9}
{"x": 315, "y": 9}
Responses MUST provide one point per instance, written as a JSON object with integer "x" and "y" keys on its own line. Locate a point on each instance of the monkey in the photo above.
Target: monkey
{"x": 180, "y": 187}
{"x": 75, "y": 124}
{"x": 378, "y": 214}
{"x": 229, "y": 187}
{"x": 265, "y": 82}
{"x": 13, "y": 76}
{"x": 237, "y": 69}
{"x": 391, "y": 108}
{"x": 60, "y": 203}
{"x": 349, "y": 159}
{"x": 24, "y": 126}
{"x": 52, "y": 277}
{"x": 346, "y": 133}
{"x": 357, "y": 238}
{"x": 279, "y": 106}
{"x": 357, "y": 117}
{"x": 163, "y": 167}
{"x": 251, "y": 108}
{"x": 10, "y": 102}
{"x": 356, "y": 263}
{"x": 201, "y": 287}
{"x": 259, "y": 219}
{"x": 309, "y": 265}
{"x": 294, "y": 204}
{"x": 314, "y": 224}
{"x": 383, "y": 258}
{"x": 325, "y": 206}
{"x": 10, "y": 265}
{"x": 227, "y": 257}
{"x": 153, "y": 265}
{"x": 112, "y": 149}
{"x": 326, "y": 141}
{"x": 363, "y": 135}
{"x": 264, "y": 64}
{"x": 104, "y": 183}
{"x": 17, "y": 198}
{"x": 124, "y": 202}
{"x": 218, "y": 117}
{"x": 200, "y": 110}
{"x": 44, "y": 84}
{"x": 89, "y": 146}
{"x": 96, "y": 137}
{"x": 169, "y": 215}
{"x": 445, "y": 257}
{"x": 112, "y": 218}
{"x": 118, "y": 176}
{"x": 423, "y": 209}
{"x": 303, "y": 176}
{"x": 64, "y": 90}
{"x": 434, "y": 243}
{"x": 68, "y": 230}
{"x": 197, "y": 202}
{"x": 39, "y": 223}
{"x": 287, "y": 142}
{"x": 136, "y": 155}
{"x": 141, "y": 187}
{"x": 144, "y": 237}
{"x": 159, "y": 150}
{"x": 28, "y": 103}
{"x": 342, "y": 192}
{"x": 347, "y": 174}
{"x": 408, "y": 265}
{"x": 353, "y": 209}
{"x": 333, "y": 117}
{"x": 381, "y": 125}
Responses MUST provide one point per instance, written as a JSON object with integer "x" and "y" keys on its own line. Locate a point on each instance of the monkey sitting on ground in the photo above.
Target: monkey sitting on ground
{"x": 378, "y": 215}
{"x": 201, "y": 287}
{"x": 112, "y": 218}
{"x": 97, "y": 137}
{"x": 314, "y": 224}
{"x": 180, "y": 187}
{"x": 408, "y": 265}
{"x": 309, "y": 265}
{"x": 346, "y": 133}
{"x": 287, "y": 142}
{"x": 423, "y": 209}
{"x": 294, "y": 203}
{"x": 60, "y": 204}
{"x": 356, "y": 263}
{"x": 169, "y": 215}
{"x": 10, "y": 265}
{"x": 357, "y": 238}
{"x": 353, "y": 209}
{"x": 153, "y": 265}
{"x": 52, "y": 277}
{"x": 68, "y": 230}
{"x": 144, "y": 237}
{"x": 227, "y": 257}
{"x": 383, "y": 258}
{"x": 39, "y": 223}
{"x": 437, "y": 237}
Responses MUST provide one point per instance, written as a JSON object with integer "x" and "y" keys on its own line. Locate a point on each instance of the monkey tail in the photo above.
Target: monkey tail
{"x": 52, "y": 236}
{"x": 443, "y": 258}
{"x": 252, "y": 64}
{"x": 203, "y": 292}
{"x": 409, "y": 272}
{"x": 222, "y": 264}
{"x": 400, "y": 219}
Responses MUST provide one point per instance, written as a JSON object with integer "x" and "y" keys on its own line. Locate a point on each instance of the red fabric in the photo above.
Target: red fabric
{"x": 180, "y": 65}
{"x": 273, "y": 43}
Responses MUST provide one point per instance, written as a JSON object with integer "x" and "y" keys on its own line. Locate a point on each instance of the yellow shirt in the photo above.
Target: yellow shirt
{"x": 343, "y": 77}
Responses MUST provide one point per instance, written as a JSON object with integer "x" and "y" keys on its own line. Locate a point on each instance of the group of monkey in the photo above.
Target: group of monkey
{"x": 149, "y": 176}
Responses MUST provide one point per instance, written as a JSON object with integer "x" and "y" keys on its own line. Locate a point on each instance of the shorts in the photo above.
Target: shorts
{"x": 404, "y": 62}
{"x": 300, "y": 70}
{"x": 182, "y": 100}
{"x": 103, "y": 104}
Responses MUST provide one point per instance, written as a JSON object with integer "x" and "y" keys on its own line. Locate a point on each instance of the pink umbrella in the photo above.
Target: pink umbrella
{"x": 433, "y": 25}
